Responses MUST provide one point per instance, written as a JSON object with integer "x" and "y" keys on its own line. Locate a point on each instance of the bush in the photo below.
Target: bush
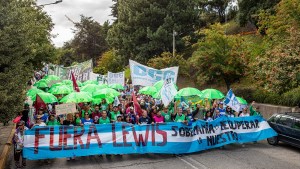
{"x": 292, "y": 97}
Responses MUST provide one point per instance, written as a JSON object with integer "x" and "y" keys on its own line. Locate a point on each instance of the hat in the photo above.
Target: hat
{"x": 131, "y": 108}
{"x": 221, "y": 103}
{"x": 119, "y": 115}
{"x": 20, "y": 123}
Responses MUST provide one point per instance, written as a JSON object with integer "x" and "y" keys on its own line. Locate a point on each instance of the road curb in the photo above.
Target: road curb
{"x": 7, "y": 148}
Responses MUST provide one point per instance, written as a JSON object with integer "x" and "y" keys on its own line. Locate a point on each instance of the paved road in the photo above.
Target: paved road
{"x": 260, "y": 155}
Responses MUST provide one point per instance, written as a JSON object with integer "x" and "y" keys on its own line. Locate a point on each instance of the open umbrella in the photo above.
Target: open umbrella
{"x": 116, "y": 86}
{"x": 51, "y": 77}
{"x": 63, "y": 89}
{"x": 67, "y": 82}
{"x": 79, "y": 83}
{"x": 33, "y": 91}
{"x": 43, "y": 83}
{"x": 241, "y": 100}
{"x": 47, "y": 97}
{"x": 188, "y": 91}
{"x": 105, "y": 93}
{"x": 148, "y": 90}
{"x": 158, "y": 85}
{"x": 212, "y": 94}
{"x": 99, "y": 100}
{"x": 91, "y": 88}
{"x": 77, "y": 97}
{"x": 90, "y": 82}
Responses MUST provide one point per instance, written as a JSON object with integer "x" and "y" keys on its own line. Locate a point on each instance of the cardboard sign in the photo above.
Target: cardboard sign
{"x": 65, "y": 108}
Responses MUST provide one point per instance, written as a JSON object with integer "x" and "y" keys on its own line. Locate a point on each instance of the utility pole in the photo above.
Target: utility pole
{"x": 174, "y": 34}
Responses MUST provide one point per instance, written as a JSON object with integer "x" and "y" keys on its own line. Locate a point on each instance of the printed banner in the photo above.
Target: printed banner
{"x": 147, "y": 76}
{"x": 116, "y": 78}
{"x": 65, "y": 108}
{"x": 168, "y": 91}
{"x": 231, "y": 101}
{"x": 123, "y": 138}
{"x": 81, "y": 71}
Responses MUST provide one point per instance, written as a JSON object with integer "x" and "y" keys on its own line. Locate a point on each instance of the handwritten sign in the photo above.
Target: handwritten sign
{"x": 65, "y": 108}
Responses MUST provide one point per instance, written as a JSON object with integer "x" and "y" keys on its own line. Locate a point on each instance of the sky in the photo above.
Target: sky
{"x": 98, "y": 9}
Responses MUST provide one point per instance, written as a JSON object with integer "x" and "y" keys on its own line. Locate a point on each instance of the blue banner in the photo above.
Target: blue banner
{"x": 123, "y": 138}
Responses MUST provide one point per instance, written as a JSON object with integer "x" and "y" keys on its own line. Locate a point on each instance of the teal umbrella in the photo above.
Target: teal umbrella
{"x": 188, "y": 91}
{"x": 148, "y": 90}
{"x": 51, "y": 77}
{"x": 77, "y": 97}
{"x": 116, "y": 86}
{"x": 90, "y": 82}
{"x": 212, "y": 94}
{"x": 33, "y": 91}
{"x": 47, "y": 97}
{"x": 241, "y": 100}
{"x": 104, "y": 93}
{"x": 158, "y": 85}
{"x": 63, "y": 89}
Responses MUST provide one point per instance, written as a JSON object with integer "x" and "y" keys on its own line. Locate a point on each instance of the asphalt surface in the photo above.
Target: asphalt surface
{"x": 259, "y": 155}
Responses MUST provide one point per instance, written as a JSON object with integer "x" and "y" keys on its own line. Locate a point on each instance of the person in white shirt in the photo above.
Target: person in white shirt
{"x": 39, "y": 121}
{"x": 244, "y": 113}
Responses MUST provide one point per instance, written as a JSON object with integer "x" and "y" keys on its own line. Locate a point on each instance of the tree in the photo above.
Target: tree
{"x": 144, "y": 27}
{"x": 109, "y": 61}
{"x": 218, "y": 57}
{"x": 89, "y": 40}
{"x": 249, "y": 10}
{"x": 24, "y": 45}
{"x": 278, "y": 68}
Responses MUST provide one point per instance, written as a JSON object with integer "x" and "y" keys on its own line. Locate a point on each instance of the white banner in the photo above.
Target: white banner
{"x": 168, "y": 92}
{"x": 147, "y": 76}
{"x": 116, "y": 78}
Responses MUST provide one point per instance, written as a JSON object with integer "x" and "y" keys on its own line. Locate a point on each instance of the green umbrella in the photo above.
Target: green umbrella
{"x": 91, "y": 88}
{"x": 33, "y": 91}
{"x": 77, "y": 97}
{"x": 99, "y": 100}
{"x": 67, "y": 82}
{"x": 51, "y": 77}
{"x": 47, "y": 97}
{"x": 188, "y": 91}
{"x": 63, "y": 89}
{"x": 116, "y": 86}
{"x": 90, "y": 82}
{"x": 212, "y": 94}
{"x": 157, "y": 95}
{"x": 105, "y": 93}
{"x": 148, "y": 90}
{"x": 241, "y": 100}
{"x": 43, "y": 83}
{"x": 79, "y": 83}
{"x": 158, "y": 85}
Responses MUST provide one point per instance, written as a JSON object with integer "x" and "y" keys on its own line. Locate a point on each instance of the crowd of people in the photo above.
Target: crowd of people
{"x": 153, "y": 111}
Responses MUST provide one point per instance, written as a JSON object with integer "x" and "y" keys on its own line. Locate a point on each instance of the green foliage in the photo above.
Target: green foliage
{"x": 109, "y": 61}
{"x": 144, "y": 27}
{"x": 24, "y": 44}
{"x": 292, "y": 97}
{"x": 167, "y": 60}
{"x": 218, "y": 57}
{"x": 277, "y": 69}
{"x": 88, "y": 43}
{"x": 249, "y": 10}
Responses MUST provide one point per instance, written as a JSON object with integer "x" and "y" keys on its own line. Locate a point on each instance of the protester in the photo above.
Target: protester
{"x": 254, "y": 111}
{"x": 208, "y": 116}
{"x": 166, "y": 114}
{"x": 114, "y": 114}
{"x": 87, "y": 120}
{"x": 158, "y": 118}
{"x": 217, "y": 114}
{"x": 244, "y": 113}
{"x": 229, "y": 112}
{"x": 39, "y": 121}
{"x": 104, "y": 119}
{"x": 180, "y": 117}
{"x": 77, "y": 119}
{"x": 221, "y": 109}
{"x": 96, "y": 114}
{"x": 127, "y": 119}
{"x": 104, "y": 105}
{"x": 145, "y": 119}
{"x": 119, "y": 119}
{"x": 198, "y": 113}
{"x": 43, "y": 115}
{"x": 52, "y": 121}
{"x": 18, "y": 141}
{"x": 86, "y": 109}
